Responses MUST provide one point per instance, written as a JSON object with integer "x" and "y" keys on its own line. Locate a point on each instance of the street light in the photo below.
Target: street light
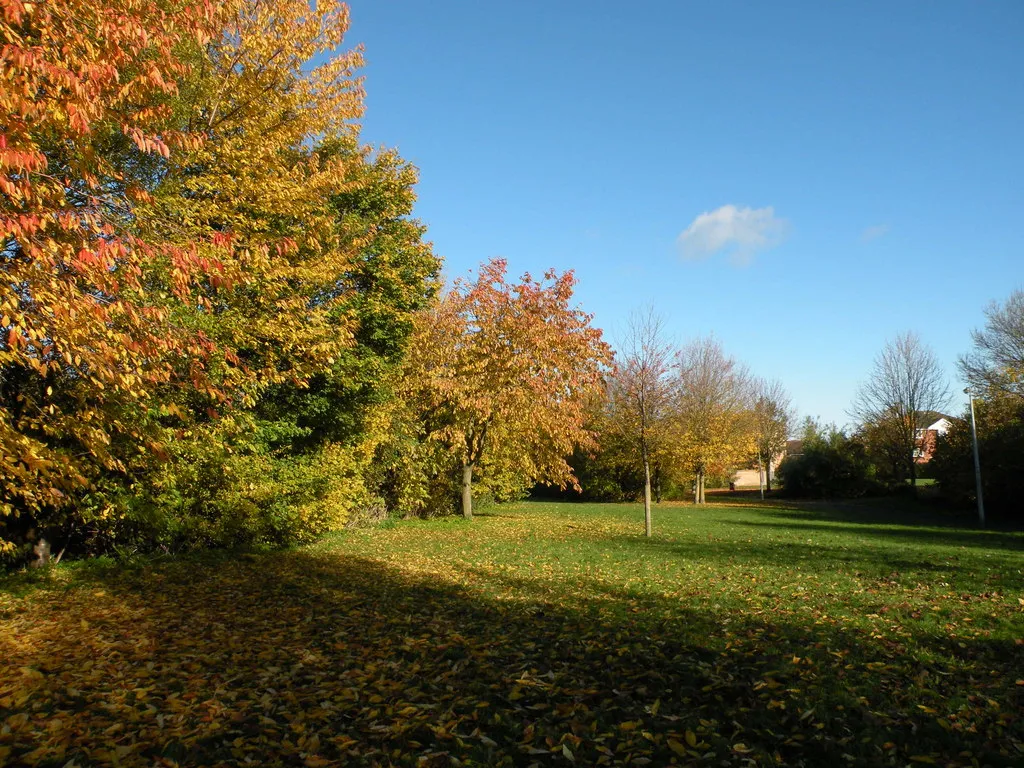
{"x": 977, "y": 461}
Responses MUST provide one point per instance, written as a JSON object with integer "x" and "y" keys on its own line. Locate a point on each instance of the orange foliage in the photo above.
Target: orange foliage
{"x": 507, "y": 369}
{"x": 165, "y": 226}
{"x": 78, "y": 78}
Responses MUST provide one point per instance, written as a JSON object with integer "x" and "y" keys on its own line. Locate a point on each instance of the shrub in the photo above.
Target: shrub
{"x": 1001, "y": 449}
{"x": 831, "y": 465}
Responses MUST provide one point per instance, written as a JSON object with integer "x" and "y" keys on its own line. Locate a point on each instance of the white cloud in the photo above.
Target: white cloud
{"x": 873, "y": 233}
{"x": 741, "y": 232}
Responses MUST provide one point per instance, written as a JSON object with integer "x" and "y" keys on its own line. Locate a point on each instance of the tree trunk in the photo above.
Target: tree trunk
{"x": 467, "y": 491}
{"x": 913, "y": 472}
{"x": 698, "y": 488}
{"x": 647, "y": 496}
{"x": 760, "y": 475}
{"x": 42, "y": 553}
{"x": 768, "y": 475}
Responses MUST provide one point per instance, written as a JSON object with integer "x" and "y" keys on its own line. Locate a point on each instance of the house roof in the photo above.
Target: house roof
{"x": 927, "y": 419}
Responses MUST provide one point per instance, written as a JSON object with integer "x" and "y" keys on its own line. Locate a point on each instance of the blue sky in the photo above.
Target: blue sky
{"x": 842, "y": 171}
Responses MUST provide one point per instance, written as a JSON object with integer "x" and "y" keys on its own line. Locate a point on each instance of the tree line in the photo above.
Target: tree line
{"x": 671, "y": 417}
{"x": 994, "y": 373}
{"x": 219, "y": 323}
{"x": 906, "y": 392}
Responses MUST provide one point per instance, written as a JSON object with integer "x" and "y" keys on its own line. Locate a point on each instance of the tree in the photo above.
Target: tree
{"x": 391, "y": 276}
{"x": 885, "y": 450}
{"x": 773, "y": 419}
{"x": 194, "y": 245}
{"x": 317, "y": 296}
{"x": 996, "y": 365}
{"x": 503, "y": 371}
{"x": 1000, "y": 430}
{"x": 276, "y": 105}
{"x": 640, "y": 393}
{"x": 906, "y": 388}
{"x": 712, "y": 429}
{"x": 88, "y": 91}
{"x": 994, "y": 369}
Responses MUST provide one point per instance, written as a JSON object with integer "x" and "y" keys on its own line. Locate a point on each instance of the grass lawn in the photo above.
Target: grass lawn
{"x": 539, "y": 634}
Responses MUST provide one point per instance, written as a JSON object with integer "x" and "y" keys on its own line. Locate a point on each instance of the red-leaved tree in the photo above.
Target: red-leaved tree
{"x": 505, "y": 369}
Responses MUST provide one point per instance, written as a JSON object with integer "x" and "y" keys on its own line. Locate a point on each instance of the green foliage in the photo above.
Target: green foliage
{"x": 831, "y": 465}
{"x": 606, "y": 475}
{"x": 224, "y": 488}
{"x": 392, "y": 276}
{"x": 1001, "y": 451}
{"x": 414, "y": 475}
{"x": 418, "y": 476}
{"x": 253, "y": 499}
{"x": 613, "y": 471}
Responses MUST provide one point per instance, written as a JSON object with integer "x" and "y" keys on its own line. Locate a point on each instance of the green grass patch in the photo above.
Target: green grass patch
{"x": 548, "y": 634}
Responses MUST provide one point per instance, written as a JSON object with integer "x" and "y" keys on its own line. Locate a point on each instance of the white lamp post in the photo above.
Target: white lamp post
{"x": 977, "y": 461}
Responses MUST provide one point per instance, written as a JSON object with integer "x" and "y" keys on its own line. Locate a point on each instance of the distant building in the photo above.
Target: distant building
{"x": 751, "y": 476}
{"x": 927, "y": 436}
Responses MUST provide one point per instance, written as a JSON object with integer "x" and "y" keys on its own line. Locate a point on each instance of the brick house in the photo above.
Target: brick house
{"x": 938, "y": 424}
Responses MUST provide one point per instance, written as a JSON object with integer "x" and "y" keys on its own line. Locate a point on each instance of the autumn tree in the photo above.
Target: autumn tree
{"x": 276, "y": 106}
{"x": 639, "y": 395}
{"x": 503, "y": 370}
{"x": 192, "y": 236}
{"x": 712, "y": 422}
{"x": 390, "y": 276}
{"x": 907, "y": 386}
{"x": 325, "y": 273}
{"x": 87, "y": 98}
{"x": 772, "y": 419}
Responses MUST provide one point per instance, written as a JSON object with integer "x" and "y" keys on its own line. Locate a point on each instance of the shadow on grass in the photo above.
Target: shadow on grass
{"x": 309, "y": 659}
{"x": 964, "y": 570}
{"x": 813, "y": 524}
{"x": 886, "y": 510}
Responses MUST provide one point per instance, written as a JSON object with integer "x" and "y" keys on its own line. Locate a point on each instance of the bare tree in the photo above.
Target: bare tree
{"x": 640, "y": 386}
{"x": 773, "y": 419}
{"x": 713, "y": 407}
{"x": 996, "y": 364}
{"x": 907, "y": 386}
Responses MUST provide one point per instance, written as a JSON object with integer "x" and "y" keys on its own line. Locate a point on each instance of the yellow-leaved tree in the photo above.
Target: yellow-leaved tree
{"x": 713, "y": 428}
{"x": 279, "y": 140}
{"x": 178, "y": 236}
{"x": 313, "y": 219}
